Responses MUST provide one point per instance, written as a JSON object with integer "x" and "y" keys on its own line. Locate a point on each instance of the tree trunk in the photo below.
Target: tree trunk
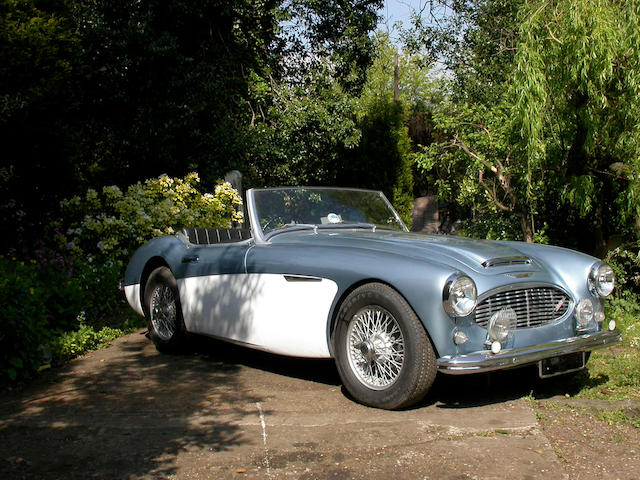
{"x": 525, "y": 225}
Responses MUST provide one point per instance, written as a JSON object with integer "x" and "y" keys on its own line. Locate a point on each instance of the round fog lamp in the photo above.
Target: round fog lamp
{"x": 496, "y": 347}
{"x": 502, "y": 324}
{"x": 459, "y": 337}
{"x": 584, "y": 314}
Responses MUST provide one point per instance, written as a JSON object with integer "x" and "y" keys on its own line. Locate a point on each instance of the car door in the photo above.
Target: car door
{"x": 286, "y": 309}
{"x": 212, "y": 282}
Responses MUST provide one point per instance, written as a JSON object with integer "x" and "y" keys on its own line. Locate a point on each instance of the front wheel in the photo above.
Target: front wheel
{"x": 383, "y": 353}
{"x": 164, "y": 312}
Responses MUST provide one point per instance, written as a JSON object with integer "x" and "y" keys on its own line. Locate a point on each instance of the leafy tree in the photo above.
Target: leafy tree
{"x": 111, "y": 92}
{"x": 478, "y": 165}
{"x": 298, "y": 138}
{"x": 317, "y": 31}
{"x": 169, "y": 83}
{"x": 576, "y": 100}
{"x": 40, "y": 60}
{"x": 475, "y": 40}
{"x": 546, "y": 129}
{"x": 383, "y": 159}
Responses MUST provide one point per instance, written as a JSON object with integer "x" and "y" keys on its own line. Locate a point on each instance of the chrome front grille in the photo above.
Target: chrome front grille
{"x": 534, "y": 306}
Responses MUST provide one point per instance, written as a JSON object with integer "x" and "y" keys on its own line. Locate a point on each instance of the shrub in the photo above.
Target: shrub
{"x": 107, "y": 227}
{"x": 44, "y": 294}
{"x": 625, "y": 261}
{"x": 73, "y": 344}
{"x": 23, "y": 326}
{"x": 113, "y": 224}
{"x": 38, "y": 298}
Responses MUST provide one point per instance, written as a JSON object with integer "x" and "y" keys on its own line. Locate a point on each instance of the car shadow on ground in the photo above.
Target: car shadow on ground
{"x": 448, "y": 391}
{"x": 130, "y": 412}
{"x": 126, "y": 413}
{"x": 314, "y": 370}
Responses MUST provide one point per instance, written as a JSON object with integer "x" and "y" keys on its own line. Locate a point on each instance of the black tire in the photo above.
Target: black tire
{"x": 163, "y": 312}
{"x": 385, "y": 363}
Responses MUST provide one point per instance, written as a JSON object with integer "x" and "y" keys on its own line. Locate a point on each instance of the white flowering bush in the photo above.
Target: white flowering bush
{"x": 111, "y": 225}
{"x": 103, "y": 229}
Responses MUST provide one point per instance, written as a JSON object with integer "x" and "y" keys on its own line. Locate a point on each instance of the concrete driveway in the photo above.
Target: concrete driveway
{"x": 128, "y": 412}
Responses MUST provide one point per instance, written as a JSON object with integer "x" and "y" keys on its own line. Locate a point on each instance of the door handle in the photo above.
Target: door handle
{"x": 190, "y": 259}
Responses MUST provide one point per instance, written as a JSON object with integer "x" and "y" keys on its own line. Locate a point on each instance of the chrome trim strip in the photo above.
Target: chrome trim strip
{"x": 254, "y": 225}
{"x": 500, "y": 261}
{"x": 485, "y": 361}
{"x": 301, "y": 278}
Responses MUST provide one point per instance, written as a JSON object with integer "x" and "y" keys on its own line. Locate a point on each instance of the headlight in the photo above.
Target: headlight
{"x": 459, "y": 296}
{"x": 601, "y": 280}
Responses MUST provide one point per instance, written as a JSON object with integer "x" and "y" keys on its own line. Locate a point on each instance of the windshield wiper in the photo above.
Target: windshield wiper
{"x": 292, "y": 227}
{"x": 348, "y": 225}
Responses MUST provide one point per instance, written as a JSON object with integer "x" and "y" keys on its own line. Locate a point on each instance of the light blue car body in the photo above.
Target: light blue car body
{"x": 415, "y": 265}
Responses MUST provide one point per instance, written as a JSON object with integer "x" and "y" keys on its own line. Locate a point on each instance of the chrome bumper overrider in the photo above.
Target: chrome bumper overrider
{"x": 486, "y": 361}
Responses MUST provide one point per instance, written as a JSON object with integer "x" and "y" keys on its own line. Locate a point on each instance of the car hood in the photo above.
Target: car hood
{"x": 450, "y": 250}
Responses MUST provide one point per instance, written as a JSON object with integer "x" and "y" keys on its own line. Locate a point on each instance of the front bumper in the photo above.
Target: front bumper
{"x": 485, "y": 361}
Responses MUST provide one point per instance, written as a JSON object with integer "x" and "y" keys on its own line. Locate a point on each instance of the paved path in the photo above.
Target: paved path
{"x": 128, "y": 412}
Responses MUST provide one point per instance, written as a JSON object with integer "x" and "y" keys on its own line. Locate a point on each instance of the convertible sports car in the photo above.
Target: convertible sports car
{"x": 334, "y": 273}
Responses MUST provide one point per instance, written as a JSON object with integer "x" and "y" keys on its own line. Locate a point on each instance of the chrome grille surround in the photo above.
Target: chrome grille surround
{"x": 535, "y": 304}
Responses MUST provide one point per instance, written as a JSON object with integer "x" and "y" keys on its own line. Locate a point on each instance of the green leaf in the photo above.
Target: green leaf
{"x": 17, "y": 362}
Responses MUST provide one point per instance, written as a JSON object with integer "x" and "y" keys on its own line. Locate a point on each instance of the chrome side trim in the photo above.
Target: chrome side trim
{"x": 301, "y": 278}
{"x": 485, "y": 361}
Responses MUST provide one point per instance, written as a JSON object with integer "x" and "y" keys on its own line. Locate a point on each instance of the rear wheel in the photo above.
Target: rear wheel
{"x": 383, "y": 354}
{"x": 164, "y": 312}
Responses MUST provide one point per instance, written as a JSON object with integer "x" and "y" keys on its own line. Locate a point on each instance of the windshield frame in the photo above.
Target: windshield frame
{"x": 261, "y": 237}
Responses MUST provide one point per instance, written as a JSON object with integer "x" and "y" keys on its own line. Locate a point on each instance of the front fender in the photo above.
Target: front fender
{"x": 420, "y": 282}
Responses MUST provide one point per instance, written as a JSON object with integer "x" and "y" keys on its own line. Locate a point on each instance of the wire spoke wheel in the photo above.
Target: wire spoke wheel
{"x": 163, "y": 312}
{"x": 383, "y": 353}
{"x": 375, "y": 347}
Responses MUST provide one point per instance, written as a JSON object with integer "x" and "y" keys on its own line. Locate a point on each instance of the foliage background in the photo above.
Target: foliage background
{"x": 522, "y": 116}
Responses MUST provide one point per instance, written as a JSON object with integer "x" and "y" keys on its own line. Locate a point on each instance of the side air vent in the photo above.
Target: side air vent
{"x": 503, "y": 261}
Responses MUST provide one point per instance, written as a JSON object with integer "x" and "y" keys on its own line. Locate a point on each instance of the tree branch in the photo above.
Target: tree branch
{"x": 552, "y": 35}
{"x": 492, "y": 194}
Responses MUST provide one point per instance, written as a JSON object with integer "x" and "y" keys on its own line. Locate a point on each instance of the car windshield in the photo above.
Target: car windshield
{"x": 308, "y": 207}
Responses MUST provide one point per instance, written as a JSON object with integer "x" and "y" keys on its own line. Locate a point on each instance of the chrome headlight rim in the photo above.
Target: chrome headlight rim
{"x": 454, "y": 283}
{"x": 596, "y": 286}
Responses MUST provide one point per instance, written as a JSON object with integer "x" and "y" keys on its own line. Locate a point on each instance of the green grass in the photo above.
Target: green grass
{"x": 613, "y": 417}
{"x": 614, "y": 373}
{"x": 70, "y": 345}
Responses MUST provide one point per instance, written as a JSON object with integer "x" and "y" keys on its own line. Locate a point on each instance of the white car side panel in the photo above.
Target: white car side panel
{"x": 132, "y": 292}
{"x": 263, "y": 310}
